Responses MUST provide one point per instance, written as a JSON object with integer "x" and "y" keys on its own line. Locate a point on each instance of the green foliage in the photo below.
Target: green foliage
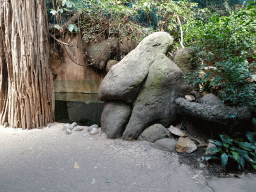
{"x": 135, "y": 18}
{"x": 236, "y": 150}
{"x": 72, "y": 27}
{"x": 207, "y": 3}
{"x": 63, "y": 8}
{"x": 222, "y": 36}
{"x": 227, "y": 43}
{"x": 67, "y": 3}
{"x": 107, "y": 19}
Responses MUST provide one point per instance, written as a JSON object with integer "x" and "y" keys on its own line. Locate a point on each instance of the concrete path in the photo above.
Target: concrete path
{"x": 50, "y": 160}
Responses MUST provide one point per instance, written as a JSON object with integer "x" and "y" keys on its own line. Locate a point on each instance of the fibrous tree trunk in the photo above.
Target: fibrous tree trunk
{"x": 26, "y": 84}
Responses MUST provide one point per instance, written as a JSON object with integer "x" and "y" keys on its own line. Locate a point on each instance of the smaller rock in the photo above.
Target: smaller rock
{"x": 5, "y": 124}
{"x": 190, "y": 98}
{"x": 210, "y": 99}
{"x": 154, "y": 133}
{"x": 68, "y": 131}
{"x": 84, "y": 135}
{"x": 185, "y": 145}
{"x": 64, "y": 128}
{"x": 114, "y": 118}
{"x": 196, "y": 94}
{"x": 74, "y": 124}
{"x": 86, "y": 127}
{"x": 78, "y": 128}
{"x": 69, "y": 126}
{"x": 94, "y": 131}
{"x": 166, "y": 144}
{"x": 91, "y": 128}
{"x": 94, "y": 126}
{"x": 100, "y": 132}
{"x": 182, "y": 58}
{"x": 202, "y": 165}
{"x": 110, "y": 64}
{"x": 199, "y": 159}
{"x": 176, "y": 131}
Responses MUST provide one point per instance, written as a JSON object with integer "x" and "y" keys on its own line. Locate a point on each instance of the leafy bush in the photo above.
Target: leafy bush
{"x": 242, "y": 153}
{"x": 228, "y": 44}
{"x": 222, "y": 37}
{"x": 123, "y": 18}
{"x": 207, "y": 3}
{"x": 60, "y": 11}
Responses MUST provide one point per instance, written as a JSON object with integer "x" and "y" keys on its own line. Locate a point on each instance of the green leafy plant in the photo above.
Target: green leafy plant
{"x": 235, "y": 150}
{"x": 227, "y": 43}
{"x": 122, "y": 18}
{"x": 135, "y": 18}
{"x": 63, "y": 8}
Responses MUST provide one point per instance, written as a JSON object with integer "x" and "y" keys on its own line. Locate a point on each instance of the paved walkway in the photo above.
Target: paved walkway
{"x": 50, "y": 160}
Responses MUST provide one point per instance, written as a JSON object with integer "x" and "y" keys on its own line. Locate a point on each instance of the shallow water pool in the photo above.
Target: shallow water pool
{"x": 85, "y": 109}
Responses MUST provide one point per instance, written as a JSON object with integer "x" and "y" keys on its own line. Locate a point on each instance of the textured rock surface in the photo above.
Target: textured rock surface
{"x": 156, "y": 100}
{"x": 78, "y": 128}
{"x": 210, "y": 99}
{"x": 182, "y": 58}
{"x": 94, "y": 131}
{"x": 124, "y": 79}
{"x": 166, "y": 144}
{"x": 154, "y": 133}
{"x": 222, "y": 114}
{"x": 110, "y": 64}
{"x": 196, "y": 94}
{"x": 94, "y": 126}
{"x": 100, "y": 53}
{"x": 114, "y": 118}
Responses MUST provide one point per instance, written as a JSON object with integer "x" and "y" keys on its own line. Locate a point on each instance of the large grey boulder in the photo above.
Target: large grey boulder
{"x": 114, "y": 117}
{"x": 156, "y": 100}
{"x": 154, "y": 133}
{"x": 124, "y": 79}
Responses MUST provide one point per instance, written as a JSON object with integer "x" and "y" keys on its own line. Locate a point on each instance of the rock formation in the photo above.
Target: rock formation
{"x": 124, "y": 79}
{"x": 213, "y": 117}
{"x": 141, "y": 89}
{"x": 114, "y": 118}
{"x": 156, "y": 100}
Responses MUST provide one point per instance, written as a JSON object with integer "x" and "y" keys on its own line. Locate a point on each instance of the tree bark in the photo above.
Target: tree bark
{"x": 26, "y": 83}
